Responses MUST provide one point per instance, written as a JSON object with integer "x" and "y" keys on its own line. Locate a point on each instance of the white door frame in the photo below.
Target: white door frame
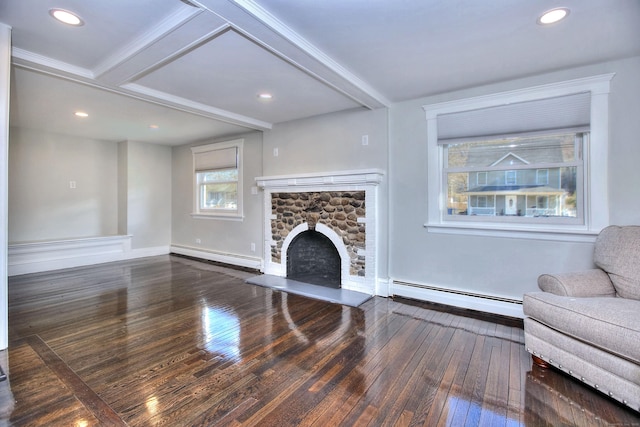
{"x": 5, "y": 75}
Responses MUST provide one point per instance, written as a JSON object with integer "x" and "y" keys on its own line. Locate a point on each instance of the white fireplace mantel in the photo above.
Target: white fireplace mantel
{"x": 366, "y": 180}
{"x": 341, "y": 178}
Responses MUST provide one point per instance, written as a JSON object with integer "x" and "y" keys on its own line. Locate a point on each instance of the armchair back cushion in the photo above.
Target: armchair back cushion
{"x": 617, "y": 252}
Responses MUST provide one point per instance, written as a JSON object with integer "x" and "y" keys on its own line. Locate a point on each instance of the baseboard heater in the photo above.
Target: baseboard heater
{"x": 459, "y": 298}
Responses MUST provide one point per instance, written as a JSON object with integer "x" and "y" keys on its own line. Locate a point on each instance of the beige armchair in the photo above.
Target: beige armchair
{"x": 587, "y": 324}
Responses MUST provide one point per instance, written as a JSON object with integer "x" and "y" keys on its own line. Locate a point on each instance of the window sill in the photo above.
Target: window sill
{"x": 224, "y": 217}
{"x": 515, "y": 232}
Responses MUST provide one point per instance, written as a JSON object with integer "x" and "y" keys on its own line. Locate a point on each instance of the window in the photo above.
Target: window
{"x": 218, "y": 180}
{"x": 482, "y": 205}
{"x": 481, "y": 178}
{"x": 520, "y": 162}
{"x": 218, "y": 189}
{"x": 542, "y": 176}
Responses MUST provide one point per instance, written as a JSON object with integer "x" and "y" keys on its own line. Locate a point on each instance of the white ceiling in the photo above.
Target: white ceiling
{"x": 194, "y": 67}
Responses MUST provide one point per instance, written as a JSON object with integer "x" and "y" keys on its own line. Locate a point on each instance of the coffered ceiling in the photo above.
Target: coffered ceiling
{"x": 194, "y": 68}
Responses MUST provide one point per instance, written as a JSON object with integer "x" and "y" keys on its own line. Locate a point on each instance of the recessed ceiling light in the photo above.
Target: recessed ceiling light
{"x": 81, "y": 114}
{"x": 553, "y": 16}
{"x": 154, "y": 127}
{"x": 66, "y": 17}
{"x": 265, "y": 95}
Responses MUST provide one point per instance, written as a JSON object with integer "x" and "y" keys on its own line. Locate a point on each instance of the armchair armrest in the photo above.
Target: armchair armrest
{"x": 588, "y": 283}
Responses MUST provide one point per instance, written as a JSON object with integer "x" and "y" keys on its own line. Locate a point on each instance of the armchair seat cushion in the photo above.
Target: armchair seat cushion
{"x": 607, "y": 323}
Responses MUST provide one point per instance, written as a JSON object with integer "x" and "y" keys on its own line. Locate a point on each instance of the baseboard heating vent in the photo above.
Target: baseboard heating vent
{"x": 459, "y": 292}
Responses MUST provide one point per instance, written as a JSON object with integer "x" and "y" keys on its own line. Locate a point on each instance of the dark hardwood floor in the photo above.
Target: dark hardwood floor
{"x": 176, "y": 342}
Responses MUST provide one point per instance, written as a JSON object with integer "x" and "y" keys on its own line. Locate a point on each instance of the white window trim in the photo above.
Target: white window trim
{"x": 196, "y": 212}
{"x": 596, "y": 203}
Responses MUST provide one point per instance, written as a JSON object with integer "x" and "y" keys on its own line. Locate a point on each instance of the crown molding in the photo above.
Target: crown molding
{"x": 196, "y": 107}
{"x": 29, "y": 59}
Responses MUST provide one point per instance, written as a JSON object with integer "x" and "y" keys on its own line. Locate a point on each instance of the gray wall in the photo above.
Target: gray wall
{"x": 121, "y": 188}
{"x": 225, "y": 236}
{"x": 41, "y": 204}
{"x": 148, "y": 194}
{"x": 331, "y": 143}
{"x": 491, "y": 265}
{"x": 123, "y": 184}
{"x": 325, "y": 143}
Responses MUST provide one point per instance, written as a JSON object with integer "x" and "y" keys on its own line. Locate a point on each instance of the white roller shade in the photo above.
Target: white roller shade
{"x": 569, "y": 111}
{"x": 225, "y": 158}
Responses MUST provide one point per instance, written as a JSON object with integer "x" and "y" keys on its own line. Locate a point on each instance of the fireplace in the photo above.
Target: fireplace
{"x": 312, "y": 258}
{"x": 322, "y": 229}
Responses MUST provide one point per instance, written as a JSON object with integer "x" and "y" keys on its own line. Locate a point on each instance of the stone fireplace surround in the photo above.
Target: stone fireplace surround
{"x": 340, "y": 205}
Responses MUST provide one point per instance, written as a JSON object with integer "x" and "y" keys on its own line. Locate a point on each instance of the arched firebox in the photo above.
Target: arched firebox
{"x": 313, "y": 258}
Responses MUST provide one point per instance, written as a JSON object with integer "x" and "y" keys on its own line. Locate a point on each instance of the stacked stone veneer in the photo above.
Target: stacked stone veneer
{"x": 339, "y": 210}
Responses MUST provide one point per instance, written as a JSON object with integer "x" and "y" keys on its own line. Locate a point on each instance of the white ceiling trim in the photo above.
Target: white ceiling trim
{"x": 26, "y": 58}
{"x": 196, "y": 107}
{"x": 267, "y": 19}
{"x": 181, "y": 52}
{"x": 176, "y": 19}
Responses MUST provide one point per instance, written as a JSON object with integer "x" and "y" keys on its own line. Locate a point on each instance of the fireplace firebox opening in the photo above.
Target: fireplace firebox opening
{"x": 313, "y": 258}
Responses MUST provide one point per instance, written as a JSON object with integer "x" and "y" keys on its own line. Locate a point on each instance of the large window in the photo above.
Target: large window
{"x": 218, "y": 180}
{"x": 530, "y": 161}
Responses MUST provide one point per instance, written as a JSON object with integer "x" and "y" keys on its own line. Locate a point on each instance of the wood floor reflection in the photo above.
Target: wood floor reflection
{"x": 177, "y": 342}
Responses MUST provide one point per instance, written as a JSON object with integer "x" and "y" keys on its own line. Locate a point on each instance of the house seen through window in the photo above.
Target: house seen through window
{"x": 526, "y": 176}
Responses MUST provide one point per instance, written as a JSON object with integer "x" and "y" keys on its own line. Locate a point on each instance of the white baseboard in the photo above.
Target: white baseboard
{"x": 457, "y": 298}
{"x": 358, "y": 284}
{"x": 223, "y": 257}
{"x": 147, "y": 252}
{"x": 383, "y": 286}
{"x": 36, "y": 257}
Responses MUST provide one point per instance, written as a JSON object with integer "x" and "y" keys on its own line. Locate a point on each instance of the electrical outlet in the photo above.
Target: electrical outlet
{"x": 365, "y": 139}
{"x": 253, "y": 247}
{"x": 72, "y": 184}
{"x": 275, "y": 152}
{"x": 198, "y": 241}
